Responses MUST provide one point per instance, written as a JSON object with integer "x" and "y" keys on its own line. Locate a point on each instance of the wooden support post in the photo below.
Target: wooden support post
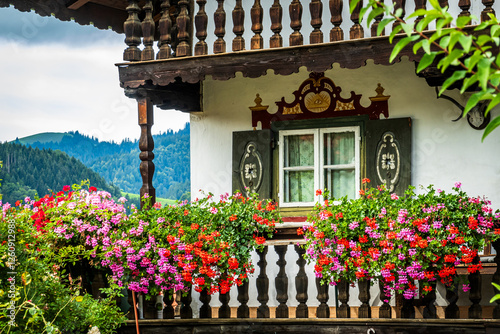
{"x": 262, "y": 285}
{"x": 146, "y": 145}
{"x": 301, "y": 284}
{"x": 336, "y": 34}
{"x": 496, "y": 278}
{"x": 276, "y": 15}
{"x": 281, "y": 283}
{"x": 323, "y": 310}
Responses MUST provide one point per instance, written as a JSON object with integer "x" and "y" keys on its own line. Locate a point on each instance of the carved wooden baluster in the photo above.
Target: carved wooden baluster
{"x": 205, "y": 309}
{"x": 132, "y": 29}
{"x": 238, "y": 26}
{"x": 343, "y": 311}
{"x": 186, "y": 310}
{"x": 365, "y": 310}
{"x": 488, "y": 4}
{"x": 420, "y": 4}
{"x": 281, "y": 283}
{"x": 257, "y": 15}
{"x": 465, "y": 7}
{"x": 496, "y": 278}
{"x": 243, "y": 310}
{"x": 146, "y": 145}
{"x": 201, "y": 22}
{"x": 295, "y": 9}
{"x": 376, "y": 22}
{"x": 130, "y": 300}
{"x": 428, "y": 300}
{"x": 336, "y": 34}
{"x": 316, "y": 9}
{"x": 262, "y": 286}
{"x": 168, "y": 311}
{"x": 475, "y": 279}
{"x": 148, "y": 31}
{"x": 164, "y": 26}
{"x": 150, "y": 307}
{"x": 452, "y": 311}
{"x": 140, "y": 306}
{"x": 276, "y": 14}
{"x": 220, "y": 30}
{"x": 356, "y": 29}
{"x": 183, "y": 20}
{"x": 301, "y": 283}
{"x": 385, "y": 310}
{"x": 224, "y": 310}
{"x": 399, "y": 4}
{"x": 323, "y": 310}
{"x": 443, "y": 3}
{"x": 408, "y": 310}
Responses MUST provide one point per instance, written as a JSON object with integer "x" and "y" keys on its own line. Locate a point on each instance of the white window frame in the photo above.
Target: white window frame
{"x": 318, "y": 161}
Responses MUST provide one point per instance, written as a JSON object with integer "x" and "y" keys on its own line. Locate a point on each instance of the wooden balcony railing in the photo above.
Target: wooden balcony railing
{"x": 183, "y": 28}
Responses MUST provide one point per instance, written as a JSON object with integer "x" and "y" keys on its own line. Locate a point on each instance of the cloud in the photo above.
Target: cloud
{"x": 51, "y": 84}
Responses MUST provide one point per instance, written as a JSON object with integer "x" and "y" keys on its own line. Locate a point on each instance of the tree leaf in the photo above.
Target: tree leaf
{"x": 462, "y": 21}
{"x": 394, "y": 32}
{"x": 490, "y": 127}
{"x": 495, "y": 101}
{"x": 383, "y": 24}
{"x": 426, "y": 60}
{"x": 352, "y": 5}
{"x": 375, "y": 12}
{"x": 468, "y": 82}
{"x": 483, "y": 71}
{"x": 465, "y": 42}
{"x": 457, "y": 75}
{"x": 401, "y": 44}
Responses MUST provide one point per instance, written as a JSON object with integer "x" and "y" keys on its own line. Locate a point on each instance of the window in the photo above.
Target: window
{"x": 325, "y": 158}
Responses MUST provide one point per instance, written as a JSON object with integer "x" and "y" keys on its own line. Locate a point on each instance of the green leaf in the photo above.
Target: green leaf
{"x": 457, "y": 75}
{"x": 495, "y": 30}
{"x": 483, "y": 39}
{"x": 471, "y": 62}
{"x": 468, "y": 82}
{"x": 465, "y": 42}
{"x": 426, "y": 45}
{"x": 462, "y": 21}
{"x": 398, "y": 12}
{"x": 473, "y": 101}
{"x": 495, "y": 298}
{"x": 495, "y": 101}
{"x": 383, "y": 24}
{"x": 401, "y": 44}
{"x": 426, "y": 60}
{"x": 483, "y": 71}
{"x": 374, "y": 13}
{"x": 394, "y": 32}
{"x": 352, "y": 5}
{"x": 408, "y": 28}
{"x": 444, "y": 42}
{"x": 451, "y": 59}
{"x": 490, "y": 127}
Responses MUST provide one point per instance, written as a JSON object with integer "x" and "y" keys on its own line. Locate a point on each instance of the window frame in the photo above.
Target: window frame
{"x": 319, "y": 166}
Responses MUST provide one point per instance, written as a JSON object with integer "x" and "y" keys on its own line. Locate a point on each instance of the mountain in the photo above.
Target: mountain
{"x": 119, "y": 163}
{"x": 31, "y": 171}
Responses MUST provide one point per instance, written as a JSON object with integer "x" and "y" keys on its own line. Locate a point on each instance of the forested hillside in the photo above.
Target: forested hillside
{"x": 119, "y": 163}
{"x": 30, "y": 171}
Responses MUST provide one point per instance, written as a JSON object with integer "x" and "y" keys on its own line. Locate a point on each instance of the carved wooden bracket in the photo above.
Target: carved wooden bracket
{"x": 319, "y": 97}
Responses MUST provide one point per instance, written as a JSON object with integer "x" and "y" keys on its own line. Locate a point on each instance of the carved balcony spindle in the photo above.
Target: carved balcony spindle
{"x": 257, "y": 15}
{"x": 165, "y": 26}
{"x": 375, "y": 24}
{"x": 336, "y": 34}
{"x": 220, "y": 28}
{"x": 365, "y": 310}
{"x": 224, "y": 309}
{"x": 276, "y": 14}
{"x": 443, "y": 3}
{"x": 420, "y": 4}
{"x": 356, "y": 30}
{"x": 465, "y": 7}
{"x": 186, "y": 310}
{"x": 281, "y": 283}
{"x": 238, "y": 26}
{"x": 205, "y": 309}
{"x": 385, "y": 311}
{"x": 344, "y": 310}
{"x": 262, "y": 286}
{"x": 475, "y": 279}
{"x": 295, "y": 10}
{"x": 496, "y": 278}
{"x": 201, "y": 23}
{"x": 488, "y": 9}
{"x": 429, "y": 300}
{"x": 146, "y": 145}
{"x": 399, "y": 4}
{"x": 408, "y": 309}
{"x": 323, "y": 310}
{"x": 301, "y": 283}
{"x": 140, "y": 306}
{"x": 452, "y": 311}
{"x": 148, "y": 31}
{"x": 243, "y": 310}
{"x": 132, "y": 29}
{"x": 183, "y": 21}
{"x": 168, "y": 300}
{"x": 316, "y": 9}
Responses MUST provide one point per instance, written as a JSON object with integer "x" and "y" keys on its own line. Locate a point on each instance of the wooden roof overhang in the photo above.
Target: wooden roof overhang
{"x": 174, "y": 83}
{"x": 103, "y": 14}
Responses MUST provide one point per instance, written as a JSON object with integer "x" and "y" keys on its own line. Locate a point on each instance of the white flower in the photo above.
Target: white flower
{"x": 94, "y": 330}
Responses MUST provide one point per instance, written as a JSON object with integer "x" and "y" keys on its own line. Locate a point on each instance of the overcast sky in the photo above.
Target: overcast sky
{"x": 60, "y": 76}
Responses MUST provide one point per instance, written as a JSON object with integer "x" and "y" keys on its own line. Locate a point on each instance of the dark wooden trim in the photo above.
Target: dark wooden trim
{"x": 256, "y": 63}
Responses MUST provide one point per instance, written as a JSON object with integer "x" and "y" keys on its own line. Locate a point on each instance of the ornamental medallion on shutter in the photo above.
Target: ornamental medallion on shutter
{"x": 388, "y": 161}
{"x": 252, "y": 162}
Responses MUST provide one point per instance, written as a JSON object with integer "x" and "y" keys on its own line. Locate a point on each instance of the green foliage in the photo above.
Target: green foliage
{"x": 467, "y": 50}
{"x": 30, "y": 171}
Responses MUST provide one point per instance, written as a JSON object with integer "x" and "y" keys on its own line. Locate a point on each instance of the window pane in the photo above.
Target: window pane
{"x": 339, "y": 148}
{"x": 299, "y": 186}
{"x": 299, "y": 150}
{"x": 341, "y": 182}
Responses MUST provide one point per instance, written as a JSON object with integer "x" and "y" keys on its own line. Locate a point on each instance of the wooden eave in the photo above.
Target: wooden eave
{"x": 103, "y": 14}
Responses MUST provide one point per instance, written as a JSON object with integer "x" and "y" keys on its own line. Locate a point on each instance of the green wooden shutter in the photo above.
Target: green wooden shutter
{"x": 252, "y": 162}
{"x": 388, "y": 153}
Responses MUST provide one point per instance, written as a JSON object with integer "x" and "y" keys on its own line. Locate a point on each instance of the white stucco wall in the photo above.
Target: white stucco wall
{"x": 443, "y": 152}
